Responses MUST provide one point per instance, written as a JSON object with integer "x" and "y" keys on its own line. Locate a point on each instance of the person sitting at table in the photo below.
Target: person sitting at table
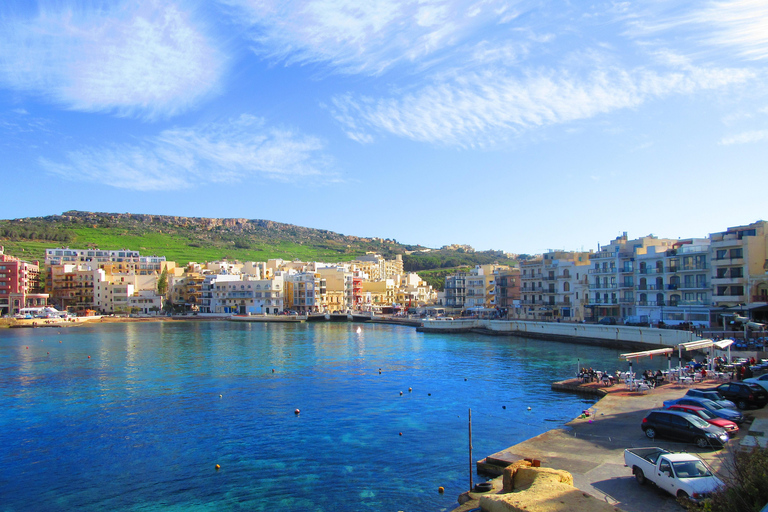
{"x": 659, "y": 377}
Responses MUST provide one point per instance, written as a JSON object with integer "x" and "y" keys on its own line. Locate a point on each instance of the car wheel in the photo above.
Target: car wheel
{"x": 639, "y": 476}
{"x": 741, "y": 404}
{"x": 702, "y": 442}
{"x": 682, "y": 497}
{"x": 650, "y": 432}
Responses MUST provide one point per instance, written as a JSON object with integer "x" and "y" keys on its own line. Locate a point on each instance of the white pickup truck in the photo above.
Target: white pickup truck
{"x": 681, "y": 474}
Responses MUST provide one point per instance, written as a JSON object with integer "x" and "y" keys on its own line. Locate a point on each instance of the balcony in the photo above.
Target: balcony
{"x": 760, "y": 298}
{"x": 611, "y": 270}
{"x": 728, "y": 280}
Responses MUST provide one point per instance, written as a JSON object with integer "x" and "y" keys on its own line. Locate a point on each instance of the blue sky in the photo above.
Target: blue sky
{"x": 511, "y": 125}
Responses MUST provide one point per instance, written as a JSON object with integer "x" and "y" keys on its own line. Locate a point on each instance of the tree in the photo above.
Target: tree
{"x": 746, "y": 484}
{"x": 162, "y": 283}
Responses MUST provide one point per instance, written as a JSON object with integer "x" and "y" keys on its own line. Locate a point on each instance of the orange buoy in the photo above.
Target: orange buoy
{"x": 89, "y": 357}
{"x": 441, "y": 489}
{"x": 218, "y": 467}
{"x": 401, "y": 433}
{"x": 410, "y": 389}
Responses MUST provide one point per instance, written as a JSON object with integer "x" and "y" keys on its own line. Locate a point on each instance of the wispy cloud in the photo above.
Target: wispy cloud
{"x": 149, "y": 59}
{"x": 483, "y": 109}
{"x": 745, "y": 138}
{"x": 364, "y": 37}
{"x": 739, "y": 26}
{"x": 229, "y": 152}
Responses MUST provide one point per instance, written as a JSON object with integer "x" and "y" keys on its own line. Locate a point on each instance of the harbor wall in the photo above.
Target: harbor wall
{"x": 607, "y": 335}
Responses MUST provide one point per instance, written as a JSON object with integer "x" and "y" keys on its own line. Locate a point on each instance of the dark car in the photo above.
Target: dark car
{"x": 743, "y": 394}
{"x": 607, "y": 320}
{"x": 684, "y": 427}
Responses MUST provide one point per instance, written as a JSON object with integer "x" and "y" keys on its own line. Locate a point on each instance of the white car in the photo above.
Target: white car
{"x": 760, "y": 381}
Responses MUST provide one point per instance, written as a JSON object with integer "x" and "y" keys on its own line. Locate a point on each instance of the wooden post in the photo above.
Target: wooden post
{"x": 471, "y": 485}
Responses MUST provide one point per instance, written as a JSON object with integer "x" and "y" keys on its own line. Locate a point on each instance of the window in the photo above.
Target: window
{"x": 737, "y": 253}
{"x": 721, "y": 254}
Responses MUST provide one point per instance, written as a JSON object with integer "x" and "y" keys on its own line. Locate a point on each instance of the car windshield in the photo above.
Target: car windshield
{"x": 709, "y": 404}
{"x": 698, "y": 422}
{"x": 691, "y": 469}
{"x": 706, "y": 414}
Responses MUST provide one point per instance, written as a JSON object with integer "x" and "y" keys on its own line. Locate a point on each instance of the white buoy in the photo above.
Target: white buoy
{"x": 529, "y": 408}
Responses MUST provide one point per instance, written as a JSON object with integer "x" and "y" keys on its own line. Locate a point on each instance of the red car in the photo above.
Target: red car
{"x": 707, "y": 416}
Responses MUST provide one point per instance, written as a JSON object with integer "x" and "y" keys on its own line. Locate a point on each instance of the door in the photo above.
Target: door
{"x": 665, "y": 477}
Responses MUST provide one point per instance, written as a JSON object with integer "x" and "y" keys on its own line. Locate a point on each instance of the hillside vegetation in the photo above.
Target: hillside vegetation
{"x": 185, "y": 239}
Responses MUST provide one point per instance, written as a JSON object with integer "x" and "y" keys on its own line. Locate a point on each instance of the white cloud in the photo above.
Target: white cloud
{"x": 745, "y": 138}
{"x": 365, "y": 37}
{"x": 486, "y": 108}
{"x": 739, "y": 24}
{"x": 733, "y": 27}
{"x": 230, "y": 152}
{"x": 148, "y": 59}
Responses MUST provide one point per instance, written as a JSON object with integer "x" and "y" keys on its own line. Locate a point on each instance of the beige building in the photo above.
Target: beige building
{"x": 554, "y": 287}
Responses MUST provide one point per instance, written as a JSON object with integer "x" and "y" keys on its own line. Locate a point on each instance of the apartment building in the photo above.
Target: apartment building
{"x": 739, "y": 269}
{"x": 456, "y": 290}
{"x": 612, "y": 275}
{"x": 506, "y": 289}
{"x": 554, "y": 286}
{"x": 20, "y": 285}
{"x": 122, "y": 261}
{"x": 304, "y": 292}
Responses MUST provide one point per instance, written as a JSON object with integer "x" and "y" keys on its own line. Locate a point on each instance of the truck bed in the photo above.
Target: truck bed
{"x": 649, "y": 454}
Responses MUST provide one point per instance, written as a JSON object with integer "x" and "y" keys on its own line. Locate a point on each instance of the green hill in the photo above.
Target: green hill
{"x": 185, "y": 239}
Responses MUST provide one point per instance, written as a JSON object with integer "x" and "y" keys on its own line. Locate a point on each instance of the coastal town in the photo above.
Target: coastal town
{"x": 697, "y": 283}
{"x": 694, "y": 288}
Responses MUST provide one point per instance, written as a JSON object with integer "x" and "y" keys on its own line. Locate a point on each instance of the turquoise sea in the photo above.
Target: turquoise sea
{"x": 142, "y": 423}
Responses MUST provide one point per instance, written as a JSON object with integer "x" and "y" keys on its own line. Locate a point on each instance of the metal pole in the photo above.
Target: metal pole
{"x": 471, "y": 484}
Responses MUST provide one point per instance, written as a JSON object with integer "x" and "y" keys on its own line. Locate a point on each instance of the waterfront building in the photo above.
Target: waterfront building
{"x": 456, "y": 290}
{"x": 506, "y": 295}
{"x": 739, "y": 270}
{"x": 553, "y": 287}
{"x": 304, "y": 291}
{"x": 208, "y": 301}
{"x": 613, "y": 276}
{"x": 377, "y": 294}
{"x": 244, "y": 294}
{"x": 145, "y": 302}
{"x": 672, "y": 284}
{"x": 20, "y": 285}
{"x": 338, "y": 296}
{"x": 185, "y": 290}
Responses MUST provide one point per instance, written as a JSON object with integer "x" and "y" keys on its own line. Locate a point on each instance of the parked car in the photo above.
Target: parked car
{"x": 607, "y": 320}
{"x": 684, "y": 427}
{"x": 710, "y": 417}
{"x": 681, "y": 474}
{"x": 743, "y": 394}
{"x": 761, "y": 381}
{"x": 714, "y": 407}
{"x": 711, "y": 395}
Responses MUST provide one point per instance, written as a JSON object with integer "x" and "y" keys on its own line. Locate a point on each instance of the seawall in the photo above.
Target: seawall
{"x": 593, "y": 334}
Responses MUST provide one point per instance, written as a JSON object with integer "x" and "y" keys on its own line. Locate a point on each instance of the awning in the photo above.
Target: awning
{"x": 696, "y": 345}
{"x": 646, "y": 353}
{"x": 723, "y": 344}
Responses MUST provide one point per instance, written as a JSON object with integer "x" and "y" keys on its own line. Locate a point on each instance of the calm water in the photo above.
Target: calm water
{"x": 143, "y": 422}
